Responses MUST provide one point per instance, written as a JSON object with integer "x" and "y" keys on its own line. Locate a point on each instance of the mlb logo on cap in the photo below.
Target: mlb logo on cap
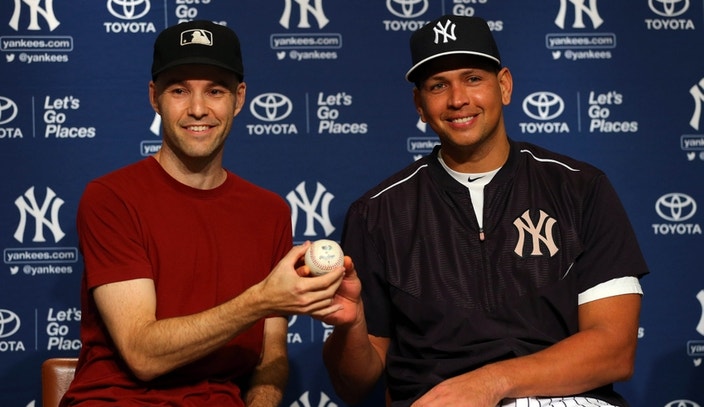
{"x": 197, "y": 36}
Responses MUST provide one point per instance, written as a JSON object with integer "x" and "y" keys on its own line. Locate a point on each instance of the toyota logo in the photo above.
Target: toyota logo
{"x": 676, "y": 207}
{"x": 128, "y": 9}
{"x": 271, "y": 107}
{"x": 8, "y": 110}
{"x": 668, "y": 8}
{"x": 407, "y": 7}
{"x": 543, "y": 105}
{"x": 9, "y": 323}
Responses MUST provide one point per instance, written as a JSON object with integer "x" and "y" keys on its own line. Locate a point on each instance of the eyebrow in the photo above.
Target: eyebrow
{"x": 220, "y": 82}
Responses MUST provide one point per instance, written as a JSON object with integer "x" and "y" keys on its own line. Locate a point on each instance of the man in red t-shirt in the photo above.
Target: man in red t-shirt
{"x": 189, "y": 270}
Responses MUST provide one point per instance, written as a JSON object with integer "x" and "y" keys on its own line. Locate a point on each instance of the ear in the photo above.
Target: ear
{"x": 240, "y": 96}
{"x": 153, "y": 97}
{"x": 506, "y": 85}
{"x": 418, "y": 101}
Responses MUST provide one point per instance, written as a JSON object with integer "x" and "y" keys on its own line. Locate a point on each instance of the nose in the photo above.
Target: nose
{"x": 198, "y": 106}
{"x": 458, "y": 96}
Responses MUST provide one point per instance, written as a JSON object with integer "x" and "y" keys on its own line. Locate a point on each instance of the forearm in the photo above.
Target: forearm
{"x": 269, "y": 378}
{"x": 572, "y": 366}
{"x": 153, "y": 347}
{"x": 354, "y": 365}
{"x": 602, "y": 352}
{"x": 267, "y": 390}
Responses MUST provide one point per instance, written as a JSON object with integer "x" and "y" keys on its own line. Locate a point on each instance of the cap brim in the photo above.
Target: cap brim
{"x": 198, "y": 61}
{"x": 430, "y": 58}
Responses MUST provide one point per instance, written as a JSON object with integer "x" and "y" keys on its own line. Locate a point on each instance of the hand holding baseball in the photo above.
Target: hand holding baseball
{"x": 323, "y": 256}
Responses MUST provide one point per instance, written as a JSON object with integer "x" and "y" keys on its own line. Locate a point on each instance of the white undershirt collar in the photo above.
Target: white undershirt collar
{"x": 475, "y": 183}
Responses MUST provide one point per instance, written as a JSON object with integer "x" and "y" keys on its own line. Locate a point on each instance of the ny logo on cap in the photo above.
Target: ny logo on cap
{"x": 197, "y": 36}
{"x": 439, "y": 30}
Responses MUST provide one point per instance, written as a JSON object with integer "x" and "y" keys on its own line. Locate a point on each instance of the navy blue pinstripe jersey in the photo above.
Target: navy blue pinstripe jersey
{"x": 452, "y": 297}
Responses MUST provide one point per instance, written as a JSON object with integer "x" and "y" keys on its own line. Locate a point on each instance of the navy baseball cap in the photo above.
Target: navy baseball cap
{"x": 197, "y": 42}
{"x": 449, "y": 35}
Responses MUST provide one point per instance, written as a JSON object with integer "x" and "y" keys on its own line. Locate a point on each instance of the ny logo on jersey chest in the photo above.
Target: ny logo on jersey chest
{"x": 540, "y": 232}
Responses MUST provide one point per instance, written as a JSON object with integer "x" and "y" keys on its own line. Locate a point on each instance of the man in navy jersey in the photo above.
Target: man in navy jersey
{"x": 490, "y": 272}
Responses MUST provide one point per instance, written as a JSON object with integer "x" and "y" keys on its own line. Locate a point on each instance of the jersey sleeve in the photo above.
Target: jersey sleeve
{"x": 611, "y": 248}
{"x": 109, "y": 238}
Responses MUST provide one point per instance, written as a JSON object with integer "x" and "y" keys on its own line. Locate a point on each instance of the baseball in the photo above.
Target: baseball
{"x": 323, "y": 256}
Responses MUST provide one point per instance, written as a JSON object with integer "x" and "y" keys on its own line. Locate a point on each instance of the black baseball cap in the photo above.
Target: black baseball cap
{"x": 197, "y": 42}
{"x": 449, "y": 35}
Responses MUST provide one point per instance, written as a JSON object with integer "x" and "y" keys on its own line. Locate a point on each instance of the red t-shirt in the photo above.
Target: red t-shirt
{"x": 201, "y": 248}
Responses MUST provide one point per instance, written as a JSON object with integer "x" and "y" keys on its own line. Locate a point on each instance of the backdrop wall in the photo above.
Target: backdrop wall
{"x": 617, "y": 83}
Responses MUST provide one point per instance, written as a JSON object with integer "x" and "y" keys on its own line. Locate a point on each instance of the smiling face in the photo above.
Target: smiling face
{"x": 197, "y": 104}
{"x": 461, "y": 98}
